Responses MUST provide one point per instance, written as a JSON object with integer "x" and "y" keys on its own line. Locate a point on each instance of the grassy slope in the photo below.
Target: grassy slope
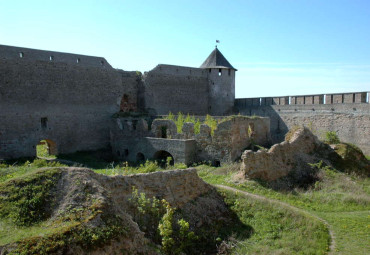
{"x": 276, "y": 230}
{"x": 340, "y": 199}
{"x": 9, "y": 231}
{"x": 352, "y": 231}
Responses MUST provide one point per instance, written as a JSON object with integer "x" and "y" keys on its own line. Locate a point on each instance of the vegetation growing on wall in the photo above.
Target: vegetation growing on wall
{"x": 180, "y": 119}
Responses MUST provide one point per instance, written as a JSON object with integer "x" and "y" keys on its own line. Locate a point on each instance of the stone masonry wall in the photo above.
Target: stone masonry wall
{"x": 350, "y": 120}
{"x": 229, "y": 140}
{"x": 70, "y": 104}
{"x": 221, "y": 91}
{"x": 176, "y": 89}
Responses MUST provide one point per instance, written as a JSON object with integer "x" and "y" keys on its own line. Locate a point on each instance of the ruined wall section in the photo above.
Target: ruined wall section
{"x": 347, "y": 114}
{"x": 69, "y": 104}
{"x": 176, "y": 89}
{"x": 231, "y": 138}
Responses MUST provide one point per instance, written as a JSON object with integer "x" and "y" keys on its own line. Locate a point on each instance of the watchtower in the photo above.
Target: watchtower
{"x": 221, "y": 82}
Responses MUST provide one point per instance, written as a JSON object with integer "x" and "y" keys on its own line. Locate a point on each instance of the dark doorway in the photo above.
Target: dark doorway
{"x": 164, "y": 158}
{"x": 140, "y": 158}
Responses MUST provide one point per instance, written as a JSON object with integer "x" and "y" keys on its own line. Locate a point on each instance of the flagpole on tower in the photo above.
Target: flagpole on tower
{"x": 217, "y": 41}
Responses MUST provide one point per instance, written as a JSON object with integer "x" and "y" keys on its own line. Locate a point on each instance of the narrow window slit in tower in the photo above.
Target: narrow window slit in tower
{"x": 44, "y": 123}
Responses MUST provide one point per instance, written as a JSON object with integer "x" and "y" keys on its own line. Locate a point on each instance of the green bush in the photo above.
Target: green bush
{"x": 331, "y": 137}
{"x": 156, "y": 218}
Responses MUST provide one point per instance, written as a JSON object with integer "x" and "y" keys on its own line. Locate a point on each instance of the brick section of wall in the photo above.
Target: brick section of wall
{"x": 338, "y": 99}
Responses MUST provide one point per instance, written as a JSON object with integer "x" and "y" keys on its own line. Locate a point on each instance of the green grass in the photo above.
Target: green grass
{"x": 147, "y": 167}
{"x": 27, "y": 198}
{"x": 341, "y": 199}
{"x": 42, "y": 150}
{"x": 9, "y": 171}
{"x": 336, "y": 192}
{"x": 10, "y": 233}
{"x": 276, "y": 230}
{"x": 352, "y": 231}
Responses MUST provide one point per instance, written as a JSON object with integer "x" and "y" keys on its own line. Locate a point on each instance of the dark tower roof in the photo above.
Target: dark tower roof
{"x": 216, "y": 60}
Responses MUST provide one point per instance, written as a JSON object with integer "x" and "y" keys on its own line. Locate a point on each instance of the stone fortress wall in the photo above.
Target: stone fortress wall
{"x": 346, "y": 113}
{"x": 69, "y": 99}
{"x": 176, "y": 89}
{"x": 58, "y": 99}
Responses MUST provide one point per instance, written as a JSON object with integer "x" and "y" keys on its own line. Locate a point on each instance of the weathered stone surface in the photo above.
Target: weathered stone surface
{"x": 164, "y": 128}
{"x": 283, "y": 157}
{"x": 231, "y": 138}
{"x": 188, "y": 130}
{"x": 178, "y": 187}
{"x": 351, "y": 121}
{"x": 78, "y": 188}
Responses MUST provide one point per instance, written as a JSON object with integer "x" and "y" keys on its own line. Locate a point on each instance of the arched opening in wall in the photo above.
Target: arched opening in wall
{"x": 46, "y": 149}
{"x": 216, "y": 163}
{"x": 124, "y": 106}
{"x": 140, "y": 158}
{"x": 163, "y": 132}
{"x": 164, "y": 158}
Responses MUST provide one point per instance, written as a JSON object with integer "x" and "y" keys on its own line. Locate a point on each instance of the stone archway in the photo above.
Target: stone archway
{"x": 163, "y": 158}
{"x": 46, "y": 148}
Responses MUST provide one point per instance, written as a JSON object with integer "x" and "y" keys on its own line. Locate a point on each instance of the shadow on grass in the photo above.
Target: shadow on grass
{"x": 92, "y": 159}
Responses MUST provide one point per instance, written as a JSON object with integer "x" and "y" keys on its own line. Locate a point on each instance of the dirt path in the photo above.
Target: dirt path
{"x": 286, "y": 205}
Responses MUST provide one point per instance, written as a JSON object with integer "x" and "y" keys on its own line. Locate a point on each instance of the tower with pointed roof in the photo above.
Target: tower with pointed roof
{"x": 221, "y": 77}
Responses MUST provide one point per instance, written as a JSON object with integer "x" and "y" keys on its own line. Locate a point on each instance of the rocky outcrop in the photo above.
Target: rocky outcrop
{"x": 301, "y": 148}
{"x": 353, "y": 160}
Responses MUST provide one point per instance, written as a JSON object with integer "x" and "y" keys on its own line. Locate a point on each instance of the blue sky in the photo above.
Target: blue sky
{"x": 280, "y": 47}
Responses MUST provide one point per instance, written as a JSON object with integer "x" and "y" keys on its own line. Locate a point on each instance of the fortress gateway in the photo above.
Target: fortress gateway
{"x": 81, "y": 103}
